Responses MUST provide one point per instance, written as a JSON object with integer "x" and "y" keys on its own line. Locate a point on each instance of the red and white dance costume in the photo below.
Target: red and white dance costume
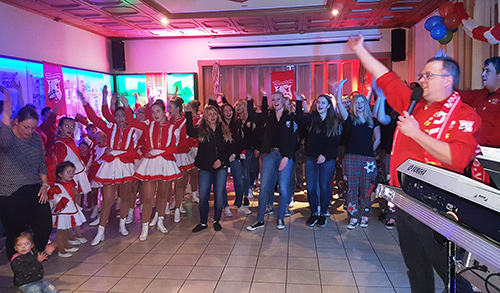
{"x": 118, "y": 162}
{"x": 184, "y": 161}
{"x": 94, "y": 164}
{"x": 66, "y": 214}
{"x": 65, "y": 149}
{"x": 158, "y": 161}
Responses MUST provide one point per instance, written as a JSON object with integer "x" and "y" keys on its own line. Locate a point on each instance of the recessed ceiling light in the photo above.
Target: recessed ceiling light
{"x": 335, "y": 12}
{"x": 164, "y": 21}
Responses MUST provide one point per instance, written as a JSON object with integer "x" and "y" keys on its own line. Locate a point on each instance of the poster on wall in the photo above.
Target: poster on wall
{"x": 54, "y": 87}
{"x": 283, "y": 81}
{"x": 156, "y": 86}
{"x": 186, "y": 85}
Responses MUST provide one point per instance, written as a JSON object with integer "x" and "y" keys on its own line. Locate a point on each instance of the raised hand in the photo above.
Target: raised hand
{"x": 7, "y": 107}
{"x": 105, "y": 92}
{"x": 355, "y": 42}
{"x": 124, "y": 101}
{"x": 298, "y": 96}
{"x": 81, "y": 97}
{"x": 263, "y": 91}
{"x": 16, "y": 85}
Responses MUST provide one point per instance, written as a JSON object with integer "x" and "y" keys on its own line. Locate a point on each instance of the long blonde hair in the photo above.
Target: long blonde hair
{"x": 367, "y": 113}
{"x": 243, "y": 104}
{"x": 205, "y": 131}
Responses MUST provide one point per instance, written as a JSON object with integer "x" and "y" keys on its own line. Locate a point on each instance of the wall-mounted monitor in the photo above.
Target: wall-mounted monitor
{"x": 186, "y": 83}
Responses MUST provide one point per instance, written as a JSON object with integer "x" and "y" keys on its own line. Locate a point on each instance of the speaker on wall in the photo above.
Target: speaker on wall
{"x": 118, "y": 55}
{"x": 398, "y": 45}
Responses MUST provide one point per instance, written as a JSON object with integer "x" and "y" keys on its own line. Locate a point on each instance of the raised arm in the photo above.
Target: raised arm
{"x": 379, "y": 109}
{"x": 191, "y": 130}
{"x": 338, "y": 89}
{"x": 7, "y": 108}
{"x": 302, "y": 118}
{"x": 96, "y": 120}
{"x": 369, "y": 62}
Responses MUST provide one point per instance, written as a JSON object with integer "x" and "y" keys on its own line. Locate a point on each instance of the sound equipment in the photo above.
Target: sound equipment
{"x": 398, "y": 45}
{"x": 469, "y": 202}
{"x": 118, "y": 55}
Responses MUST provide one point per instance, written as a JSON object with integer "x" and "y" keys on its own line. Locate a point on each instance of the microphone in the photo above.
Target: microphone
{"x": 416, "y": 95}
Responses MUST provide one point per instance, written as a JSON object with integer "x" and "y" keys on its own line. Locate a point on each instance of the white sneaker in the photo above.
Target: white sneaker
{"x": 72, "y": 249}
{"x": 160, "y": 225}
{"x": 195, "y": 198}
{"x": 95, "y": 212}
{"x": 227, "y": 211}
{"x": 364, "y": 222}
{"x": 121, "y": 228}
{"x": 250, "y": 193}
{"x": 74, "y": 242}
{"x": 95, "y": 222}
{"x": 81, "y": 240}
{"x": 172, "y": 204}
{"x": 65, "y": 255}
{"x": 182, "y": 209}
{"x": 167, "y": 209}
{"x": 130, "y": 216}
{"x": 177, "y": 216}
{"x": 99, "y": 237}
{"x": 144, "y": 232}
{"x": 118, "y": 202}
{"x": 352, "y": 224}
{"x": 244, "y": 210}
{"x": 155, "y": 219}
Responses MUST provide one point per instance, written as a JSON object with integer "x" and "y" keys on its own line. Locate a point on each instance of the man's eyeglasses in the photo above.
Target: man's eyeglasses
{"x": 429, "y": 75}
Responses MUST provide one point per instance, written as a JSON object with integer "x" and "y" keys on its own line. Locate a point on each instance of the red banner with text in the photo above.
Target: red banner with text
{"x": 284, "y": 81}
{"x": 55, "y": 96}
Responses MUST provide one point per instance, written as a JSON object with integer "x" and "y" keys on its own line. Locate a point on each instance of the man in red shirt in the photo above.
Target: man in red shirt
{"x": 441, "y": 131}
{"x": 486, "y": 102}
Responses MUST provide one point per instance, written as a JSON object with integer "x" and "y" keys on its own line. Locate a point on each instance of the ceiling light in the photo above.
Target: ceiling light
{"x": 335, "y": 12}
{"x": 164, "y": 21}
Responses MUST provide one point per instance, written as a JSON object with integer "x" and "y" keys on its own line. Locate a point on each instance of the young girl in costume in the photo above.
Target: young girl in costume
{"x": 66, "y": 214}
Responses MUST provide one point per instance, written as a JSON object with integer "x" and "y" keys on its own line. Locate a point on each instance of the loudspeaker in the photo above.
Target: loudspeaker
{"x": 398, "y": 45}
{"x": 118, "y": 55}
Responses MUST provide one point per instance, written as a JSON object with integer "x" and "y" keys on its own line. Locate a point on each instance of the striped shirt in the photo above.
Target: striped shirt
{"x": 21, "y": 161}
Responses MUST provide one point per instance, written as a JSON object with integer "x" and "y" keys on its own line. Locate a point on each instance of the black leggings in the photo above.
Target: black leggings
{"x": 22, "y": 209}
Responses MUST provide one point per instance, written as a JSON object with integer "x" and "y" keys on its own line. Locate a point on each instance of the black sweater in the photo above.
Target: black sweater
{"x": 238, "y": 145}
{"x": 215, "y": 148}
{"x": 317, "y": 143}
{"x": 27, "y": 269}
{"x": 281, "y": 134}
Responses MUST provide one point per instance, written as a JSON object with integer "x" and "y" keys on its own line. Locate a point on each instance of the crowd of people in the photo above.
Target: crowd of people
{"x": 153, "y": 152}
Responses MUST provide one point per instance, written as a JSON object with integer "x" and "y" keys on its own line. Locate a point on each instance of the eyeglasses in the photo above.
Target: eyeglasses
{"x": 429, "y": 75}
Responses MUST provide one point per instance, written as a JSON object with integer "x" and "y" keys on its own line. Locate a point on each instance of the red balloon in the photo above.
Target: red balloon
{"x": 446, "y": 8}
{"x": 451, "y": 21}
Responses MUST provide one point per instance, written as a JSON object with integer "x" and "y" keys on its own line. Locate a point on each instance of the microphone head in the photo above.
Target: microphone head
{"x": 417, "y": 94}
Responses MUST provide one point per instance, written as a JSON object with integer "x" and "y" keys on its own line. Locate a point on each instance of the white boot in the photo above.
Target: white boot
{"x": 167, "y": 209}
{"x": 95, "y": 222}
{"x": 144, "y": 232}
{"x": 130, "y": 216}
{"x": 95, "y": 212}
{"x": 118, "y": 202}
{"x": 99, "y": 237}
{"x": 122, "y": 229}
{"x": 188, "y": 189}
{"x": 155, "y": 219}
{"x": 195, "y": 198}
{"x": 160, "y": 225}
{"x": 177, "y": 216}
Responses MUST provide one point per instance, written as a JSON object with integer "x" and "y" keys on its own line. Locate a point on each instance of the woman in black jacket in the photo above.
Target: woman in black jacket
{"x": 212, "y": 160}
{"x": 322, "y": 141}
{"x": 278, "y": 146}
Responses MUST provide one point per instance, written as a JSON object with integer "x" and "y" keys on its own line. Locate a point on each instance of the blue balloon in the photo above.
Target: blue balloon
{"x": 438, "y": 31}
{"x": 454, "y": 30}
{"x": 432, "y": 22}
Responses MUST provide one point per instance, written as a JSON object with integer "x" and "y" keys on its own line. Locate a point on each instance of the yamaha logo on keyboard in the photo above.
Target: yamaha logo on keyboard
{"x": 417, "y": 170}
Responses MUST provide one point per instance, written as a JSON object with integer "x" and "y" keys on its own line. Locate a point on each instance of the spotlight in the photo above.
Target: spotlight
{"x": 164, "y": 21}
{"x": 335, "y": 12}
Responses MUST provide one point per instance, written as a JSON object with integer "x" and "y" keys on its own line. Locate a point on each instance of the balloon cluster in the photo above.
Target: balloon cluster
{"x": 442, "y": 27}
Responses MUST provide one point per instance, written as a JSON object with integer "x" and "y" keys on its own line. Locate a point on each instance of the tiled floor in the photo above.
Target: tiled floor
{"x": 296, "y": 259}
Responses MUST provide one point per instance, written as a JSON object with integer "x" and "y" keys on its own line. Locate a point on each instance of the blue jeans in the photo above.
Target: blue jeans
{"x": 253, "y": 167}
{"x": 218, "y": 179}
{"x": 237, "y": 170}
{"x": 318, "y": 178}
{"x": 41, "y": 286}
{"x": 269, "y": 174}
